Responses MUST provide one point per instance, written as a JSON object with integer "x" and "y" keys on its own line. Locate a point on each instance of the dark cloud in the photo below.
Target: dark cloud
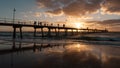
{"x": 82, "y": 7}
{"x": 79, "y": 7}
{"x": 70, "y": 7}
{"x": 111, "y": 6}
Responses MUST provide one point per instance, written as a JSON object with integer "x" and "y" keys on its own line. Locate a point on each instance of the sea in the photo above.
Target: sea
{"x": 83, "y": 50}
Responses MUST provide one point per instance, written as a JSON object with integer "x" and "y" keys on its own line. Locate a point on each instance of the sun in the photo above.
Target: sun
{"x": 78, "y": 25}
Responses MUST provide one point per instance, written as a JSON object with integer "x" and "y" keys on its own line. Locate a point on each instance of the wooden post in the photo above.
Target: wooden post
{"x": 21, "y": 32}
{"x": 55, "y": 31}
{"x": 42, "y": 32}
{"x": 72, "y": 32}
{"x": 34, "y": 32}
{"x": 14, "y": 32}
{"x": 49, "y": 32}
{"x": 58, "y": 32}
{"x": 66, "y": 32}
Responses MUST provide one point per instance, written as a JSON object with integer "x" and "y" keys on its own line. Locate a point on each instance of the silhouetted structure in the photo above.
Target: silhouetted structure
{"x": 36, "y": 26}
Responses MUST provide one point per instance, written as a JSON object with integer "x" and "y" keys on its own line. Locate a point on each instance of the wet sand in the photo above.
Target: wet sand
{"x": 58, "y": 55}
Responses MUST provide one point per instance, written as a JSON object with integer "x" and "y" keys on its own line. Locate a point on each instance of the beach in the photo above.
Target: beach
{"x": 60, "y": 53}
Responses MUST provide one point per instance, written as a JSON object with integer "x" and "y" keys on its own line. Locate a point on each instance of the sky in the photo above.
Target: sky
{"x": 99, "y": 14}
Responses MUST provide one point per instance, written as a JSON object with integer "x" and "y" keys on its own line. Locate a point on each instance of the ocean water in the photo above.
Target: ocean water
{"x": 86, "y": 50}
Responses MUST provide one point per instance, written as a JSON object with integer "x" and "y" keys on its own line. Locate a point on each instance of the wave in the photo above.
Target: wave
{"x": 88, "y": 38}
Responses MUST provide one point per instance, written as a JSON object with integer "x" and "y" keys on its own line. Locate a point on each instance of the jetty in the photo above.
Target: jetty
{"x": 42, "y": 26}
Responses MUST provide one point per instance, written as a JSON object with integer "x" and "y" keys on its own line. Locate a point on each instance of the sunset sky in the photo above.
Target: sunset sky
{"x": 75, "y": 13}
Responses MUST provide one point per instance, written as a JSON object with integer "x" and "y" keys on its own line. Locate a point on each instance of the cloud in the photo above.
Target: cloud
{"x": 70, "y": 7}
{"x": 82, "y": 7}
{"x": 111, "y": 7}
{"x": 79, "y": 7}
{"x": 112, "y": 24}
{"x": 107, "y": 22}
{"x": 57, "y": 12}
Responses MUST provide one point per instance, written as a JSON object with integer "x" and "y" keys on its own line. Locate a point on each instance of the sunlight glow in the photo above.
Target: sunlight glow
{"x": 75, "y": 22}
{"x": 78, "y": 25}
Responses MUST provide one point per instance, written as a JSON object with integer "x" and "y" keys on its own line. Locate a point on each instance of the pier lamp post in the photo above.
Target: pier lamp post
{"x": 14, "y": 15}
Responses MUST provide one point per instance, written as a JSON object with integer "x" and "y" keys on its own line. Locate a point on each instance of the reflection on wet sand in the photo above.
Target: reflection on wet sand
{"x": 35, "y": 47}
{"x": 79, "y": 55}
